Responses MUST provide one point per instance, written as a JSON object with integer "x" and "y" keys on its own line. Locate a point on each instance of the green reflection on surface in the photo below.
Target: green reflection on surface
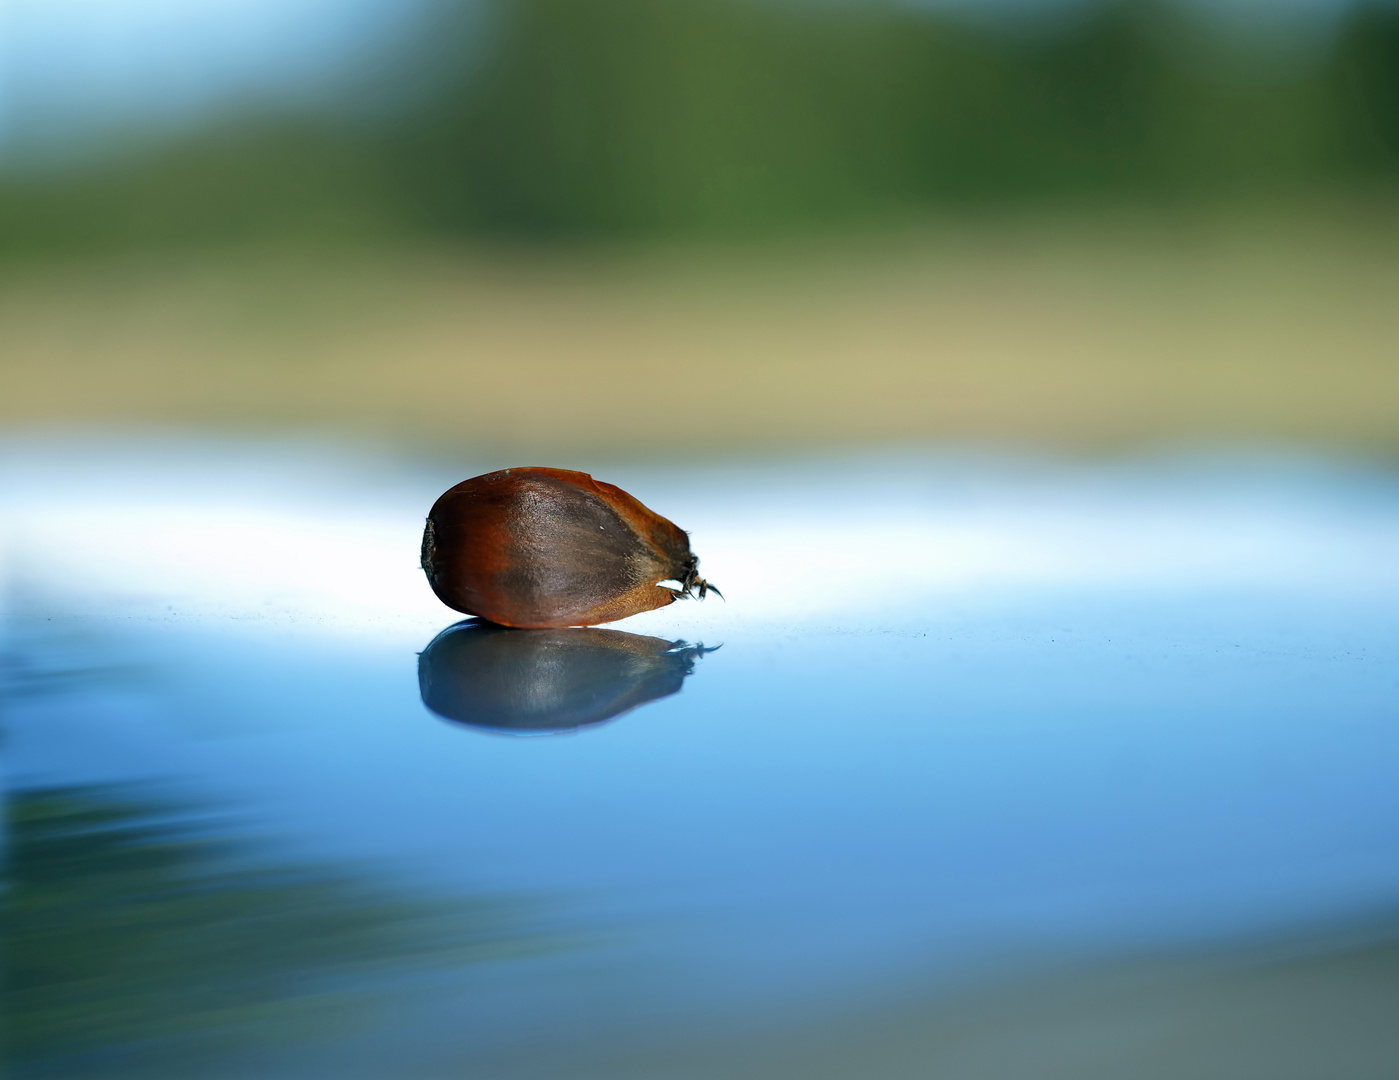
{"x": 129, "y": 934}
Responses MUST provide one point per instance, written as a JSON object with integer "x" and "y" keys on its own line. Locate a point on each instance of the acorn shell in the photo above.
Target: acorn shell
{"x": 539, "y": 547}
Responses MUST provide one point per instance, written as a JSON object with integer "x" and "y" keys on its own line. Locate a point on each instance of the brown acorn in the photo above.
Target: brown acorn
{"x": 538, "y": 547}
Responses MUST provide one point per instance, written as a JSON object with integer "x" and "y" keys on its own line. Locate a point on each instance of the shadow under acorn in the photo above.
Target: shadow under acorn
{"x": 541, "y": 682}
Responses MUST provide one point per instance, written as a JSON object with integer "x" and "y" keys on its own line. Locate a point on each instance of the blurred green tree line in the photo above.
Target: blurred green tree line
{"x": 651, "y": 117}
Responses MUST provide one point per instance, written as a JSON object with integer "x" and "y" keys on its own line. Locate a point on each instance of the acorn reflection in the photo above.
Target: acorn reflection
{"x": 538, "y": 682}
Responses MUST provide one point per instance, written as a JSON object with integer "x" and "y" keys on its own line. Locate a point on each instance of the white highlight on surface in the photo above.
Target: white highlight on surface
{"x": 230, "y": 536}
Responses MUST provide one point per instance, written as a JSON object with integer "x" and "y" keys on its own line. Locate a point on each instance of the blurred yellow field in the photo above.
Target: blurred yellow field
{"x": 1072, "y": 333}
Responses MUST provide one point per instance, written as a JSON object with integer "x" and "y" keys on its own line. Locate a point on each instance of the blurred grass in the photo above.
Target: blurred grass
{"x": 1079, "y": 330}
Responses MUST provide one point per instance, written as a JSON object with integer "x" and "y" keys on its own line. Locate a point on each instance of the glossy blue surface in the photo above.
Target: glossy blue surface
{"x": 967, "y": 715}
